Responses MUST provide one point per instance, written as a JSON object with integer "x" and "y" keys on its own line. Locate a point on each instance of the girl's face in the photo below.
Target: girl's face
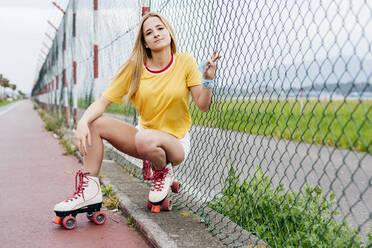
{"x": 155, "y": 34}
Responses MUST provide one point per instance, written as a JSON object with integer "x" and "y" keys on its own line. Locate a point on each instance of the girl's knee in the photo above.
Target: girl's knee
{"x": 97, "y": 124}
{"x": 144, "y": 143}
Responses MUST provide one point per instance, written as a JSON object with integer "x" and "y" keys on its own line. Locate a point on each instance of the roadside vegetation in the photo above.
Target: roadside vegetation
{"x": 55, "y": 125}
{"x": 111, "y": 200}
{"x": 9, "y": 92}
{"x": 114, "y": 108}
{"x": 341, "y": 124}
{"x": 285, "y": 219}
{"x": 344, "y": 124}
{"x": 4, "y": 102}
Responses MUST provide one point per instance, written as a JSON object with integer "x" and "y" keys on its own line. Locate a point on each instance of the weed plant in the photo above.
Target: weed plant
{"x": 112, "y": 200}
{"x": 284, "y": 219}
{"x": 68, "y": 148}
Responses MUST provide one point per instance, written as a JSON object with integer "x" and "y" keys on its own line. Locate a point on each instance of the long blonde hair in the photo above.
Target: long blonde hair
{"x": 140, "y": 53}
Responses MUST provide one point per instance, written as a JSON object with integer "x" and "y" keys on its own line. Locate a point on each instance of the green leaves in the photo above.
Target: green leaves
{"x": 282, "y": 218}
{"x": 111, "y": 201}
{"x": 369, "y": 235}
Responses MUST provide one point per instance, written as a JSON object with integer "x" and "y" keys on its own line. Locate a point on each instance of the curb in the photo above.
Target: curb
{"x": 151, "y": 231}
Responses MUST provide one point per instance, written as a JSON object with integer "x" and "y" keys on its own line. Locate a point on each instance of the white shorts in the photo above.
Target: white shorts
{"x": 185, "y": 141}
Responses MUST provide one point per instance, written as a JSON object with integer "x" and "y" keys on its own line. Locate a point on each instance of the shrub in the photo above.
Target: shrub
{"x": 54, "y": 125}
{"x": 284, "y": 219}
{"x": 68, "y": 149}
{"x": 41, "y": 114}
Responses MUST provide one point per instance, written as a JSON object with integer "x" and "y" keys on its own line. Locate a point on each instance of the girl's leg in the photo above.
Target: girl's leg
{"x": 88, "y": 190}
{"x": 159, "y": 147}
{"x": 164, "y": 151}
{"x": 121, "y": 135}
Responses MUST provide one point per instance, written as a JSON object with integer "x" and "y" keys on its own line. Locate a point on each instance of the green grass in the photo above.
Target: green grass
{"x": 4, "y": 102}
{"x": 114, "y": 108}
{"x": 341, "y": 124}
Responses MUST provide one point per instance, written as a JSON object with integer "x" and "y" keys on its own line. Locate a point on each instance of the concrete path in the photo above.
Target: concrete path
{"x": 34, "y": 177}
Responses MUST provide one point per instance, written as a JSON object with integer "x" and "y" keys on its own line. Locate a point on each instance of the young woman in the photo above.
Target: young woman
{"x": 158, "y": 81}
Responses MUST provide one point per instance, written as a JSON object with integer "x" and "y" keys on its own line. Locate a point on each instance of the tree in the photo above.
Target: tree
{"x": 4, "y": 83}
{"x": 21, "y": 94}
{"x": 13, "y": 87}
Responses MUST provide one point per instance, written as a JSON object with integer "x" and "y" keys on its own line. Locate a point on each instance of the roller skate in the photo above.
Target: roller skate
{"x": 163, "y": 182}
{"x": 86, "y": 199}
{"x": 147, "y": 170}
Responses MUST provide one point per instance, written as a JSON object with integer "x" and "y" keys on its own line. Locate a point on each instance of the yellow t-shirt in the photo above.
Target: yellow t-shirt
{"x": 162, "y": 99}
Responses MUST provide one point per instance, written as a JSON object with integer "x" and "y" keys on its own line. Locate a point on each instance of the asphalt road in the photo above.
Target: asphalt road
{"x": 34, "y": 177}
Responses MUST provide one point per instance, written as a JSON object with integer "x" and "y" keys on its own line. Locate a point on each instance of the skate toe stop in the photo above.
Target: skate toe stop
{"x": 155, "y": 209}
{"x": 57, "y": 220}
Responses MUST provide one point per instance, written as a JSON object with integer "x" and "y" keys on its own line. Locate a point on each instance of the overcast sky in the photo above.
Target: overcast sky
{"x": 344, "y": 30}
{"x": 22, "y": 27}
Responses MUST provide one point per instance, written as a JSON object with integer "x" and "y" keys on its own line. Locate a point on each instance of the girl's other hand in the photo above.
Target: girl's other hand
{"x": 211, "y": 66}
{"x": 82, "y": 136}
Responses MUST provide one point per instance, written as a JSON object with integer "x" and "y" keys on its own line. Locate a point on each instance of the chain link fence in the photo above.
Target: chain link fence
{"x": 283, "y": 157}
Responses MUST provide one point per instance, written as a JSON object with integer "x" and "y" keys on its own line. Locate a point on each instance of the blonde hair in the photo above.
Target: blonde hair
{"x": 140, "y": 53}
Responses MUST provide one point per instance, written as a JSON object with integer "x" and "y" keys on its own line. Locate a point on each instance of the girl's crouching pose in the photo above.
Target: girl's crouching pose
{"x": 158, "y": 81}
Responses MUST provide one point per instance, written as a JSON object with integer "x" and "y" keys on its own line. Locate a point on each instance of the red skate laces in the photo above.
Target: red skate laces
{"x": 158, "y": 179}
{"x": 79, "y": 186}
{"x": 146, "y": 170}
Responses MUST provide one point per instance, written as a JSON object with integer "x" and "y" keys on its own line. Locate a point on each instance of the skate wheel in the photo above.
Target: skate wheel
{"x": 57, "y": 220}
{"x": 69, "y": 222}
{"x": 149, "y": 205}
{"x": 176, "y": 187}
{"x": 99, "y": 218}
{"x": 90, "y": 216}
{"x": 155, "y": 208}
{"x": 167, "y": 205}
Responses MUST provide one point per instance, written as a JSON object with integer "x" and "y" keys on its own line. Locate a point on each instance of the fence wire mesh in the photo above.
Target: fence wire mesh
{"x": 283, "y": 157}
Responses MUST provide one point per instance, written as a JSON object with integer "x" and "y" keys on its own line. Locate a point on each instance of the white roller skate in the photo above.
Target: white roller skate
{"x": 163, "y": 182}
{"x": 86, "y": 199}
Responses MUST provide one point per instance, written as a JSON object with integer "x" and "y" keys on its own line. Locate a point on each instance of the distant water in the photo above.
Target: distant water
{"x": 292, "y": 95}
{"x": 329, "y": 95}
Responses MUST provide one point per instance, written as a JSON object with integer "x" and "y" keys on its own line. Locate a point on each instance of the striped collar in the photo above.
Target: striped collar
{"x": 162, "y": 70}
